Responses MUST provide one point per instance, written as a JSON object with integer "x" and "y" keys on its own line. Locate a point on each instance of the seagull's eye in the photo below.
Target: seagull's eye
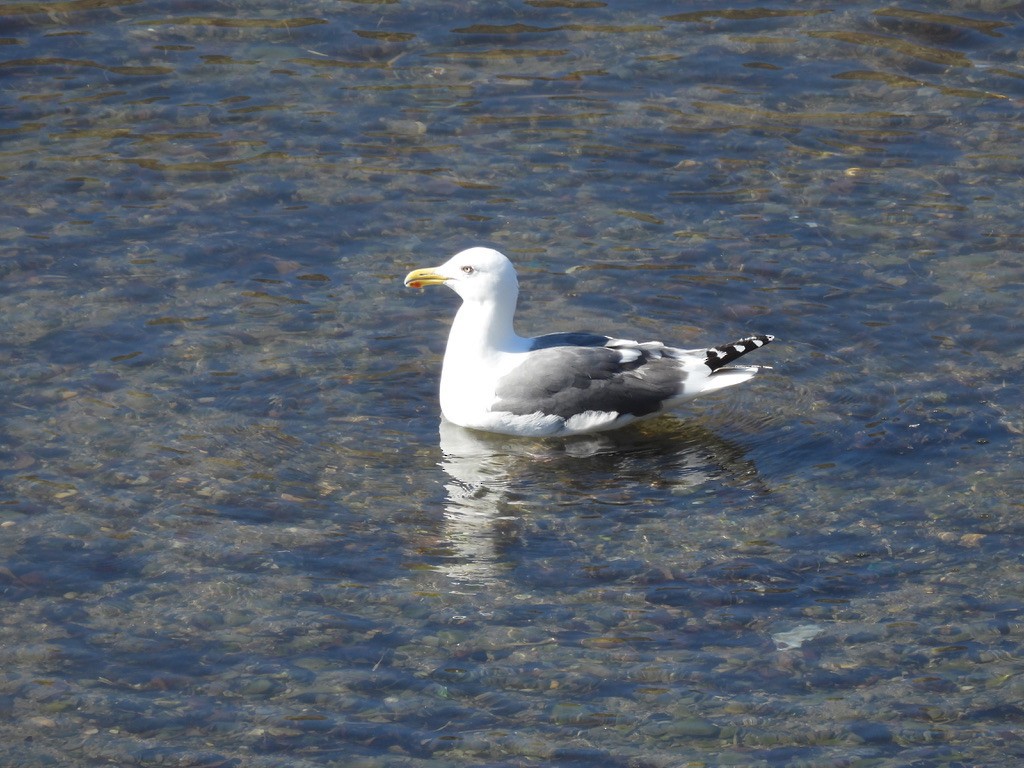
{"x": 468, "y": 270}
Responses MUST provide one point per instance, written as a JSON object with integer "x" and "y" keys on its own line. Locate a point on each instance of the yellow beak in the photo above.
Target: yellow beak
{"x": 420, "y": 278}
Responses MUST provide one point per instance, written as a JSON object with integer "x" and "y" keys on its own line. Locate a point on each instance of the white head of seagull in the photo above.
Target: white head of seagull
{"x": 487, "y": 283}
{"x": 559, "y": 383}
{"x": 476, "y": 274}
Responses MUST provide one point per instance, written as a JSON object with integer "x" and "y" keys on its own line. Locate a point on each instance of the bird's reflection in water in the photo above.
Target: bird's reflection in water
{"x": 492, "y": 479}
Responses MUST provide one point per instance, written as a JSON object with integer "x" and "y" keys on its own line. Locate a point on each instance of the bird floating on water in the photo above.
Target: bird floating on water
{"x": 559, "y": 383}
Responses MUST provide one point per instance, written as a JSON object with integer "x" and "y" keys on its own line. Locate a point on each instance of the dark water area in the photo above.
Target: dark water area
{"x": 232, "y": 529}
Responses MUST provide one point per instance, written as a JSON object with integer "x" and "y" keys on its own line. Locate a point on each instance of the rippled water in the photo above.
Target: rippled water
{"x": 232, "y": 532}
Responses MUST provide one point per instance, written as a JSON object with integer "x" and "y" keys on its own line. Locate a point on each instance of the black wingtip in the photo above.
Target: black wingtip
{"x": 725, "y": 354}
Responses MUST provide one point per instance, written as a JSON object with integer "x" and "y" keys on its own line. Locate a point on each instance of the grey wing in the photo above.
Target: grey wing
{"x": 572, "y": 339}
{"x": 566, "y": 380}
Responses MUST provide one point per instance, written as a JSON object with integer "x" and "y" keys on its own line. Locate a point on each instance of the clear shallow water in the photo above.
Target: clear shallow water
{"x": 232, "y": 533}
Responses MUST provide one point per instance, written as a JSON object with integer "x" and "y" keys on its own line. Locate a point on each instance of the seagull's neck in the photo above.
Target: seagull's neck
{"x": 483, "y": 328}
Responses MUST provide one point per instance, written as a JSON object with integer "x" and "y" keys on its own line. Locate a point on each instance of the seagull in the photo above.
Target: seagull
{"x": 560, "y": 383}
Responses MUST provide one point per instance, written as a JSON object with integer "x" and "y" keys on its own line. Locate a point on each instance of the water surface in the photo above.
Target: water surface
{"x": 233, "y": 531}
